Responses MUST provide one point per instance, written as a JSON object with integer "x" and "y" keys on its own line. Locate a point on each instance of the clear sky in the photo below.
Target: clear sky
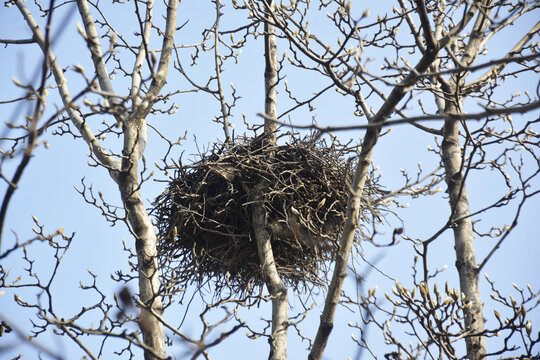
{"x": 48, "y": 189}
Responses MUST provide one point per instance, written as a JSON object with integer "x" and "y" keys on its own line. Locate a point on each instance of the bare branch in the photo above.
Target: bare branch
{"x": 17, "y": 41}
{"x": 518, "y": 109}
{"x": 353, "y": 205}
{"x": 270, "y": 73}
{"x": 509, "y": 57}
{"x": 431, "y": 42}
{"x": 92, "y": 41}
{"x": 78, "y": 121}
{"x": 217, "y": 62}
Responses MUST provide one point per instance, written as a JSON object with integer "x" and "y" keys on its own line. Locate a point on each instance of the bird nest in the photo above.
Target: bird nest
{"x": 204, "y": 216}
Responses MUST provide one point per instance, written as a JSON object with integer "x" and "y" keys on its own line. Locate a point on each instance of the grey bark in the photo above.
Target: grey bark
{"x": 453, "y": 158}
{"x": 353, "y": 204}
{"x": 145, "y": 243}
{"x": 463, "y": 237}
{"x": 126, "y": 173}
{"x": 356, "y": 188}
{"x": 270, "y": 77}
{"x": 276, "y": 287}
{"x": 142, "y": 227}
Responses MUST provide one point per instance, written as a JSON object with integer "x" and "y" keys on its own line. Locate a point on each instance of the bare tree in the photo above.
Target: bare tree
{"x": 123, "y": 167}
{"x": 422, "y": 65}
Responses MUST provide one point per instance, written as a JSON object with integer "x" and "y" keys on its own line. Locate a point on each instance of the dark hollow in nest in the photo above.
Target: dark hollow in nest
{"x": 204, "y": 217}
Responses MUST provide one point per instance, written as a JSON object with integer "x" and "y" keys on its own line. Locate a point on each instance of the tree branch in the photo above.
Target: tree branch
{"x": 409, "y": 120}
{"x": 95, "y": 147}
{"x": 353, "y": 204}
{"x": 92, "y": 40}
{"x": 18, "y": 41}
{"x": 509, "y": 57}
{"x": 431, "y": 42}
{"x": 217, "y": 62}
{"x": 141, "y": 54}
{"x": 270, "y": 74}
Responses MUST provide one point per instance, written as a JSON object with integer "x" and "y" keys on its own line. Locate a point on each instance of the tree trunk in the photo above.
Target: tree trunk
{"x": 354, "y": 200}
{"x": 145, "y": 244}
{"x": 276, "y": 287}
{"x": 278, "y": 291}
{"x": 346, "y": 242}
{"x": 134, "y": 130}
{"x": 463, "y": 235}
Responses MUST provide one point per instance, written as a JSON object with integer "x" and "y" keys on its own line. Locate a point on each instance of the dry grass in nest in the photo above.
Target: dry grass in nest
{"x": 204, "y": 218}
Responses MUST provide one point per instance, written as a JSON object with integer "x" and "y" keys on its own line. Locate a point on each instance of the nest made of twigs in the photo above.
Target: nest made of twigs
{"x": 204, "y": 217}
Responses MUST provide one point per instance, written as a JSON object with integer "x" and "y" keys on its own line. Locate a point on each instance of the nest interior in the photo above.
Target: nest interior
{"x": 204, "y": 216}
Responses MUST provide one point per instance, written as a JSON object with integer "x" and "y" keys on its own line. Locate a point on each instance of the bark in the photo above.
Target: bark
{"x": 370, "y": 140}
{"x": 347, "y": 239}
{"x": 453, "y": 158}
{"x": 270, "y": 78}
{"x": 278, "y": 291}
{"x": 353, "y": 204}
{"x": 145, "y": 243}
{"x": 276, "y": 287}
{"x": 95, "y": 147}
{"x": 463, "y": 236}
{"x": 92, "y": 40}
{"x": 126, "y": 173}
{"x": 139, "y": 220}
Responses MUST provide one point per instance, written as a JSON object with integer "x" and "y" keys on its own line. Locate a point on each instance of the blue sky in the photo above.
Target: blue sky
{"x": 47, "y": 189}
